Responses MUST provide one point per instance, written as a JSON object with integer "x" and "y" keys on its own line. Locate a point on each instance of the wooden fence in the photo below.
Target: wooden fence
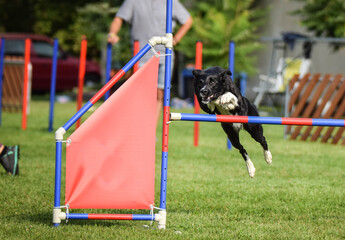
{"x": 13, "y": 75}
{"x": 316, "y": 96}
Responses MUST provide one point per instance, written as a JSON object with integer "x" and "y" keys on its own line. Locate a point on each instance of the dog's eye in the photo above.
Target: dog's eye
{"x": 212, "y": 82}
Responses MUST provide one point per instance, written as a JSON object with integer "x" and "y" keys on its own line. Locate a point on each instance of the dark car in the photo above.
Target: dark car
{"x": 41, "y": 60}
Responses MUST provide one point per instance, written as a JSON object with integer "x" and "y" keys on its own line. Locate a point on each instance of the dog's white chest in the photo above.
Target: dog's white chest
{"x": 237, "y": 126}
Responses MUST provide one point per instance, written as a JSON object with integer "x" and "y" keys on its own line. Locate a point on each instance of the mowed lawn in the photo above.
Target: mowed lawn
{"x": 209, "y": 195}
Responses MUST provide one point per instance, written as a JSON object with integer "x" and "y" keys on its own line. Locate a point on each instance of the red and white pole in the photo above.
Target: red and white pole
{"x": 198, "y": 65}
{"x": 26, "y": 82}
{"x": 82, "y": 64}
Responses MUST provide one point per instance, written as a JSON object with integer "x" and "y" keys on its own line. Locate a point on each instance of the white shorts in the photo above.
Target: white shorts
{"x": 161, "y": 73}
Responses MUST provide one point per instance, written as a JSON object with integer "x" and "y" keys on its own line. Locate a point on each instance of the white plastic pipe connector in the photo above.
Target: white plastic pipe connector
{"x": 58, "y": 215}
{"x": 158, "y": 40}
{"x": 167, "y": 41}
{"x": 59, "y": 133}
{"x": 170, "y": 42}
{"x": 175, "y": 116}
{"x": 161, "y": 218}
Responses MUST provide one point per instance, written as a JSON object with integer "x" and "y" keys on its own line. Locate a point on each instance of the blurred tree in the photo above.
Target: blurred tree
{"x": 38, "y": 16}
{"x": 64, "y": 19}
{"x": 93, "y": 20}
{"x": 323, "y": 17}
{"x": 217, "y": 23}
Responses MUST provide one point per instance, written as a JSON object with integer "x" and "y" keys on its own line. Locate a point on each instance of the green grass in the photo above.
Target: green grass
{"x": 210, "y": 195}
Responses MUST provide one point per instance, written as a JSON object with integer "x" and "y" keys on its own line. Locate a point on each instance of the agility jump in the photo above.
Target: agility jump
{"x": 258, "y": 120}
{"x": 72, "y": 197}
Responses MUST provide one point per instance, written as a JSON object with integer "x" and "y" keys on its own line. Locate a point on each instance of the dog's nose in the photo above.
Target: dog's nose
{"x": 203, "y": 92}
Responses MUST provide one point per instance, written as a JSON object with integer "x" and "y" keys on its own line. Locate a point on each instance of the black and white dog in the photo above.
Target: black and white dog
{"x": 217, "y": 94}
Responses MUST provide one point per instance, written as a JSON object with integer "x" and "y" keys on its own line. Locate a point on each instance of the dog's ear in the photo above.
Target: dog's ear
{"x": 225, "y": 77}
{"x": 196, "y": 72}
{"x": 227, "y": 83}
{"x": 226, "y": 72}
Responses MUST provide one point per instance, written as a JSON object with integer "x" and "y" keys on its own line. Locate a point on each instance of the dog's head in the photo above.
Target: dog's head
{"x": 211, "y": 83}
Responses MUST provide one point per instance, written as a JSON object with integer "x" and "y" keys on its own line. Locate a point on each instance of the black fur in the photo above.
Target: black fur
{"x": 210, "y": 85}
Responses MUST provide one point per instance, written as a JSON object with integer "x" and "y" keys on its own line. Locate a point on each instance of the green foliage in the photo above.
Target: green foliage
{"x": 218, "y": 24}
{"x": 323, "y": 17}
{"x": 93, "y": 21}
{"x": 215, "y": 23}
{"x": 37, "y": 16}
{"x": 67, "y": 20}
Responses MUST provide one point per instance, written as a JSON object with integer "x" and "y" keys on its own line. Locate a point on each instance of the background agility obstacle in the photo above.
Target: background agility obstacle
{"x": 315, "y": 96}
{"x": 20, "y": 97}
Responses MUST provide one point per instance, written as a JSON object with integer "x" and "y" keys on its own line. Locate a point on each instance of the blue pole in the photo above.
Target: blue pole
{"x": 243, "y": 83}
{"x": 2, "y": 53}
{"x": 108, "y": 68}
{"x": 232, "y": 57}
{"x": 53, "y": 84}
{"x": 232, "y": 70}
{"x": 137, "y": 57}
{"x": 166, "y": 110}
{"x": 78, "y": 115}
{"x": 57, "y": 196}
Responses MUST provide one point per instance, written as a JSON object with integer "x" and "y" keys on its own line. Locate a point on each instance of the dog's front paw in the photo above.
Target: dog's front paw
{"x": 228, "y": 101}
{"x": 228, "y": 98}
{"x": 268, "y": 156}
{"x": 250, "y": 168}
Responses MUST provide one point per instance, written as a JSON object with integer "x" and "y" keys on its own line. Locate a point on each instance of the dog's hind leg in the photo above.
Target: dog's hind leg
{"x": 233, "y": 136}
{"x": 257, "y": 133}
